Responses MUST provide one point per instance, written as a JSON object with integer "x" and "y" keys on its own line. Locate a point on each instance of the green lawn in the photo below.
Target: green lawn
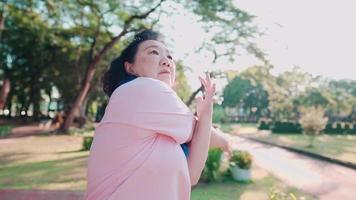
{"x": 257, "y": 189}
{"x": 57, "y": 163}
{"x": 342, "y": 147}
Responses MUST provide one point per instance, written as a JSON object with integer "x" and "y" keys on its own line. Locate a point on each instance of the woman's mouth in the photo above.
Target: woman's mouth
{"x": 164, "y": 72}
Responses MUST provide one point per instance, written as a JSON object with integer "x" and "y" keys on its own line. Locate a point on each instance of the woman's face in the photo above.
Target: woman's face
{"x": 153, "y": 60}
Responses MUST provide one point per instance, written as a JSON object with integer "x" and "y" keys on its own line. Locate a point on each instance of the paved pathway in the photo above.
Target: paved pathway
{"x": 324, "y": 180}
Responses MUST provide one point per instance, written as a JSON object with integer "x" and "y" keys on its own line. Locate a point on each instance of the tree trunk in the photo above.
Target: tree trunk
{"x": 74, "y": 109}
{"x": 2, "y": 20}
{"x": 5, "y": 89}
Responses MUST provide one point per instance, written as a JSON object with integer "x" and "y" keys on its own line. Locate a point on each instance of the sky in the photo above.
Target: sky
{"x": 319, "y": 36}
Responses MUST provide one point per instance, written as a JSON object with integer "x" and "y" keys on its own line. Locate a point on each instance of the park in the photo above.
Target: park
{"x": 291, "y": 126}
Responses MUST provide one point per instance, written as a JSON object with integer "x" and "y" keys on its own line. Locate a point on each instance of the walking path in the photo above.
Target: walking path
{"x": 319, "y": 178}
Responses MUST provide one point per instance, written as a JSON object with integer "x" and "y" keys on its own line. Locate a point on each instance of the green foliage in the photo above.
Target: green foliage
{"x": 5, "y": 130}
{"x": 242, "y": 93}
{"x": 219, "y": 115}
{"x": 337, "y": 128}
{"x": 181, "y": 83}
{"x": 313, "y": 97}
{"x": 211, "y": 170}
{"x": 264, "y": 125}
{"x": 275, "y": 194}
{"x": 313, "y": 122}
{"x": 286, "y": 127}
{"x": 87, "y": 141}
{"x": 242, "y": 159}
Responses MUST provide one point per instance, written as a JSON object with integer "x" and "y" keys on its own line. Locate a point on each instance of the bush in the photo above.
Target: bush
{"x": 338, "y": 129}
{"x": 5, "y": 130}
{"x": 286, "y": 127}
{"x": 329, "y": 128}
{"x": 87, "y": 141}
{"x": 212, "y": 165}
{"x": 219, "y": 115}
{"x": 264, "y": 126}
{"x": 242, "y": 159}
{"x": 347, "y": 129}
{"x": 276, "y": 194}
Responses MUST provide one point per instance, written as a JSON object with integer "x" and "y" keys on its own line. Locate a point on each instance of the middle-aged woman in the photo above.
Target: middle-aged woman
{"x": 149, "y": 145}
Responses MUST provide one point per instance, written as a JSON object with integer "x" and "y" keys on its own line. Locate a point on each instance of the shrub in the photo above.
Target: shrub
{"x": 313, "y": 121}
{"x": 242, "y": 159}
{"x": 87, "y": 141}
{"x": 347, "y": 129}
{"x": 334, "y": 128}
{"x": 212, "y": 165}
{"x": 286, "y": 127}
{"x": 329, "y": 128}
{"x": 264, "y": 126}
{"x": 5, "y": 130}
{"x": 276, "y": 194}
{"x": 219, "y": 115}
{"x": 339, "y": 128}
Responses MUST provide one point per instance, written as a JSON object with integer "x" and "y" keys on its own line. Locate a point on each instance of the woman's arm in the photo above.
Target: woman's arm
{"x": 220, "y": 140}
{"x": 199, "y": 145}
{"x": 198, "y": 148}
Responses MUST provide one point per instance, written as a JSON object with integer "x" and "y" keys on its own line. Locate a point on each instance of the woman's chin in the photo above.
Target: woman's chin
{"x": 166, "y": 80}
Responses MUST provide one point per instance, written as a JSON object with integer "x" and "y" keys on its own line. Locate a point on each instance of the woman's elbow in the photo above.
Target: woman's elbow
{"x": 194, "y": 180}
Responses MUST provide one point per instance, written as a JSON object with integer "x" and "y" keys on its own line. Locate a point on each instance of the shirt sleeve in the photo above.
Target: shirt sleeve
{"x": 151, "y": 104}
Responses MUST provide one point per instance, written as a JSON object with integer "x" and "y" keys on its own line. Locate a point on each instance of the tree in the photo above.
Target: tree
{"x": 95, "y": 58}
{"x": 241, "y": 92}
{"x": 181, "y": 83}
{"x": 313, "y": 122}
{"x": 75, "y": 41}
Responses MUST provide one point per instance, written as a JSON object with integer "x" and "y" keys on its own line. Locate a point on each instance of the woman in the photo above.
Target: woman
{"x": 140, "y": 147}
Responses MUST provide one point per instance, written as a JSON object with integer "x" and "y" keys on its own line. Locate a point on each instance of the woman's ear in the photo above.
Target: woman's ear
{"x": 128, "y": 67}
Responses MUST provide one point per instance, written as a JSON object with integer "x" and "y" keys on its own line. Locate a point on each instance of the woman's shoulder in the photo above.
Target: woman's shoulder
{"x": 143, "y": 85}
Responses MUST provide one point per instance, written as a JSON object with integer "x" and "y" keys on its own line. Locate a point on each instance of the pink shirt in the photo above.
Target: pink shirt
{"x": 136, "y": 152}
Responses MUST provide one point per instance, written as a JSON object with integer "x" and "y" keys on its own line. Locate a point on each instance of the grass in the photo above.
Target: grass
{"x": 5, "y": 130}
{"x": 68, "y": 173}
{"x": 43, "y": 162}
{"x": 342, "y": 147}
{"x": 259, "y": 188}
{"x": 57, "y": 163}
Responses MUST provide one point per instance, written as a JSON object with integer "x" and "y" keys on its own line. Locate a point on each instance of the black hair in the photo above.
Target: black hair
{"x": 117, "y": 73}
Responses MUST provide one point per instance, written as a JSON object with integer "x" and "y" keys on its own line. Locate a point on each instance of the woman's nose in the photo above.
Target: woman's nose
{"x": 166, "y": 62}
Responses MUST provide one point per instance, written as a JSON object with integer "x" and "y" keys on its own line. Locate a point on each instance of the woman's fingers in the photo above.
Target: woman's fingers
{"x": 207, "y": 77}
{"x": 203, "y": 82}
{"x": 209, "y": 87}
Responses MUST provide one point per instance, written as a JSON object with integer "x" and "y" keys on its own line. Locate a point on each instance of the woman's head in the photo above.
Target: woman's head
{"x": 145, "y": 56}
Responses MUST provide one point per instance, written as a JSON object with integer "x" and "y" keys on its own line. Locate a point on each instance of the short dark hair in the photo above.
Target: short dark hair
{"x": 116, "y": 73}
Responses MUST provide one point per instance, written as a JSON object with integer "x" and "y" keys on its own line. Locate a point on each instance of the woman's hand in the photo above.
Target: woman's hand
{"x": 205, "y": 103}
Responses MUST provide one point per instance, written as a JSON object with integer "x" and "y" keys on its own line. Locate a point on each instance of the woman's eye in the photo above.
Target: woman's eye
{"x": 154, "y": 52}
